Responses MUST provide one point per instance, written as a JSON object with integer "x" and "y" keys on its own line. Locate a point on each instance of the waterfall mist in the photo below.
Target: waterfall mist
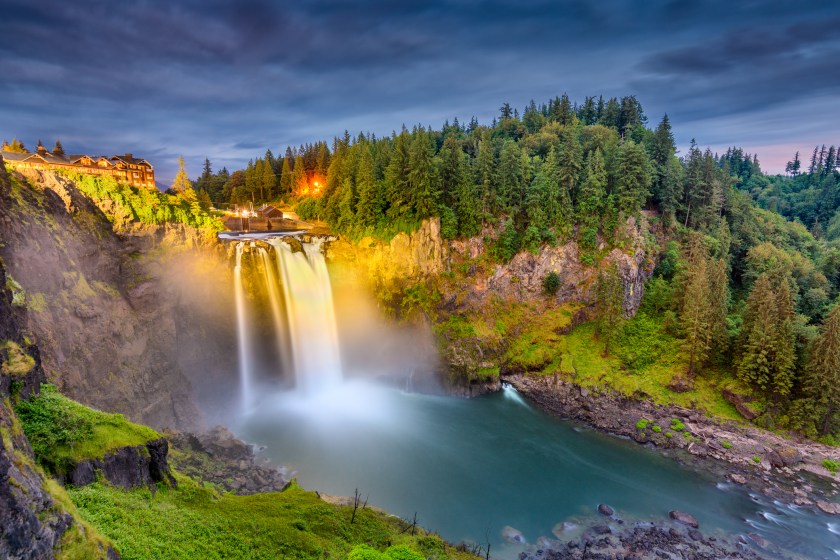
{"x": 306, "y": 343}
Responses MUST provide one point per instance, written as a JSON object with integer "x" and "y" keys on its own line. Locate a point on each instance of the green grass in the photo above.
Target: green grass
{"x": 831, "y": 466}
{"x": 193, "y": 522}
{"x": 540, "y": 347}
{"x": 63, "y": 432}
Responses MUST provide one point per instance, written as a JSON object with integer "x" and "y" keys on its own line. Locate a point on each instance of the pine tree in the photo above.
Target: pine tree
{"x": 591, "y": 200}
{"x": 58, "y": 150}
{"x": 422, "y": 178}
{"x": 367, "y": 208}
{"x": 718, "y": 305}
{"x": 695, "y": 316}
{"x": 486, "y": 173}
{"x": 269, "y": 179}
{"x": 569, "y": 165}
{"x": 633, "y": 178}
{"x": 258, "y": 179}
{"x": 299, "y": 176}
{"x": 509, "y": 178}
{"x": 466, "y": 200}
{"x": 822, "y": 374}
{"x": 396, "y": 178}
{"x": 609, "y": 298}
{"x": 286, "y": 180}
{"x": 182, "y": 182}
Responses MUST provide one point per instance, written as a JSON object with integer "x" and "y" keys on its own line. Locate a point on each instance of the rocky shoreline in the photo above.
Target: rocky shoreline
{"x": 783, "y": 469}
{"x": 609, "y": 538}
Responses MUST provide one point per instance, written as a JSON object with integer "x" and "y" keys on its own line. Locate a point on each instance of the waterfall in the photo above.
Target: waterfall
{"x": 296, "y": 317}
{"x": 278, "y": 311}
{"x": 243, "y": 330}
{"x": 310, "y": 315}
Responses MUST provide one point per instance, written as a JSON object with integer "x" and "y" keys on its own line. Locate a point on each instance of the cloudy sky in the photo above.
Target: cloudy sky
{"x": 227, "y": 80}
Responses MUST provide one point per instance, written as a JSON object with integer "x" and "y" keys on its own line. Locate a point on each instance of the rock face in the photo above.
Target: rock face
{"x": 32, "y": 523}
{"x": 127, "y": 467}
{"x": 92, "y": 292}
{"x": 522, "y": 278}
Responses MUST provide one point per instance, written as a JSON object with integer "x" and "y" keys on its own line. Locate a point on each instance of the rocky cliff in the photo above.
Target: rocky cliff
{"x": 34, "y": 524}
{"x": 103, "y": 305}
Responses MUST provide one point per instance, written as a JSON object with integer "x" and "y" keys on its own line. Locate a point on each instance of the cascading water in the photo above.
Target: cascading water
{"x": 243, "y": 332}
{"x": 278, "y": 311}
{"x": 310, "y": 313}
{"x": 297, "y": 290}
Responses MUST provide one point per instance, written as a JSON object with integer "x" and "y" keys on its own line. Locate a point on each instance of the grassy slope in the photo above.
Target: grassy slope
{"x": 62, "y": 431}
{"x": 193, "y": 521}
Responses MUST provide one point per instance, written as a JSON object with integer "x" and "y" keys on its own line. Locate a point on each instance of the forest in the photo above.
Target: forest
{"x": 748, "y": 279}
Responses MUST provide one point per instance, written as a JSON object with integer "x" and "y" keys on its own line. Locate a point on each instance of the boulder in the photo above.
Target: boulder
{"x": 684, "y": 518}
{"x": 127, "y": 467}
{"x": 604, "y": 509}
{"x": 831, "y": 508}
{"x": 513, "y": 536}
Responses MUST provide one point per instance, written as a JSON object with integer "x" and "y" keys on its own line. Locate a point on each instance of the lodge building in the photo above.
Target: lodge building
{"x": 125, "y": 168}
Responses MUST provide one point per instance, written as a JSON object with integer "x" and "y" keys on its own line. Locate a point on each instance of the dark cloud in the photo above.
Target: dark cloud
{"x": 227, "y": 79}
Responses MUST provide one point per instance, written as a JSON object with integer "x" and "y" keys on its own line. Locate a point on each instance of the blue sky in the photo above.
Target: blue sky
{"x": 226, "y": 80}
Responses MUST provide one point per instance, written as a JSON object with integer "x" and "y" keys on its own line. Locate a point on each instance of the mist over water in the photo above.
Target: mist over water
{"x": 467, "y": 468}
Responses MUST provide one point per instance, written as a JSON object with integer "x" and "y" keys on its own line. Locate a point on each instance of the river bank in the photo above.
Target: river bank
{"x": 784, "y": 469}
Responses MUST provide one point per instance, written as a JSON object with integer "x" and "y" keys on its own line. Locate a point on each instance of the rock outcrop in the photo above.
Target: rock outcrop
{"x": 127, "y": 467}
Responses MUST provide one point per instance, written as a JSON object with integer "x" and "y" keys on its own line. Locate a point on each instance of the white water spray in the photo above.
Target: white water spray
{"x": 243, "y": 330}
{"x": 278, "y": 313}
{"x": 311, "y": 317}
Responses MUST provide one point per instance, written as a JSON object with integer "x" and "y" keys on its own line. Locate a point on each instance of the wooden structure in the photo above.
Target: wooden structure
{"x": 125, "y": 168}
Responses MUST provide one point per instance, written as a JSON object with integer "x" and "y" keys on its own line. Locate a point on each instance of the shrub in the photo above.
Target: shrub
{"x": 308, "y": 209}
{"x": 756, "y": 459}
{"x": 642, "y": 424}
{"x": 669, "y": 435}
{"x": 640, "y": 342}
{"x": 831, "y": 466}
{"x": 657, "y": 429}
{"x": 726, "y": 444}
{"x": 551, "y": 283}
{"x": 677, "y": 425}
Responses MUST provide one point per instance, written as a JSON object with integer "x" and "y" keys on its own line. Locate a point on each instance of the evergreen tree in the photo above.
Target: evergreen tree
{"x": 718, "y": 306}
{"x": 396, "y": 178}
{"x": 485, "y": 175}
{"x": 286, "y": 180}
{"x": 822, "y": 374}
{"x": 591, "y": 200}
{"x": 182, "y": 182}
{"x": 467, "y": 205}
{"x": 298, "y": 175}
{"x": 609, "y": 298}
{"x": 423, "y": 181}
{"x": 269, "y": 179}
{"x": 569, "y": 165}
{"x": 695, "y": 316}
{"x": 509, "y": 178}
{"x": 58, "y": 150}
{"x": 16, "y": 146}
{"x": 258, "y": 179}
{"x": 633, "y": 178}
{"x": 368, "y": 207}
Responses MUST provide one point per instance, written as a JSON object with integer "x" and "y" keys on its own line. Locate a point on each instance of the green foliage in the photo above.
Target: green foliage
{"x": 124, "y": 204}
{"x": 831, "y": 465}
{"x": 640, "y": 342}
{"x": 756, "y": 459}
{"x": 657, "y": 429}
{"x": 726, "y": 444}
{"x": 193, "y": 522}
{"x": 62, "y": 432}
{"x": 551, "y": 283}
{"x": 677, "y": 425}
{"x": 508, "y": 243}
{"x": 669, "y": 435}
{"x": 309, "y": 208}
{"x": 642, "y": 424}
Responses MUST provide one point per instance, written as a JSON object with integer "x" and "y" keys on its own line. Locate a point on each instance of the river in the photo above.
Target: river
{"x": 468, "y": 468}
